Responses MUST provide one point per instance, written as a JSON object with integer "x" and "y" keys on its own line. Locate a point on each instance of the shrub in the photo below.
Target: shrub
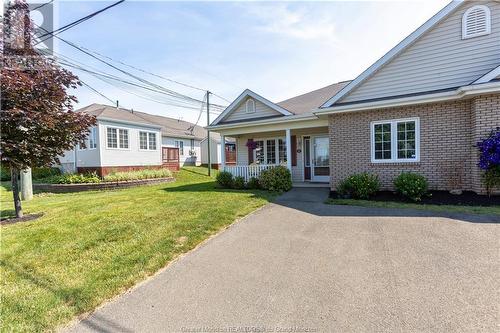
{"x": 489, "y": 159}
{"x": 224, "y": 179}
{"x": 359, "y": 186}
{"x": 276, "y": 179}
{"x": 4, "y": 173}
{"x": 239, "y": 183}
{"x": 137, "y": 175}
{"x": 411, "y": 185}
{"x": 39, "y": 173}
{"x": 253, "y": 183}
{"x": 72, "y": 178}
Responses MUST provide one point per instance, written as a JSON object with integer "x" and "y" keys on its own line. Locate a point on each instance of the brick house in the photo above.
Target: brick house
{"x": 422, "y": 107}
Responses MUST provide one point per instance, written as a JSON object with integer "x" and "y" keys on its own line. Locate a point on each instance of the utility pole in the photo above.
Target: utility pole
{"x": 208, "y": 135}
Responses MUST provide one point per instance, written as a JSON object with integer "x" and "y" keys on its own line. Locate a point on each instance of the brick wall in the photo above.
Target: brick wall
{"x": 446, "y": 144}
{"x": 485, "y": 116}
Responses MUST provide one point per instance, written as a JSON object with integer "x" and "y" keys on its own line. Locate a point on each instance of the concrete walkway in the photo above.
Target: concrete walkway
{"x": 303, "y": 265}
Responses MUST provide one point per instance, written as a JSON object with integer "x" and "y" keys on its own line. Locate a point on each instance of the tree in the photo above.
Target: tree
{"x": 38, "y": 123}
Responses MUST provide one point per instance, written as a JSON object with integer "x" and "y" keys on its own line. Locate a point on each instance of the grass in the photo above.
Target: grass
{"x": 91, "y": 246}
{"x": 491, "y": 210}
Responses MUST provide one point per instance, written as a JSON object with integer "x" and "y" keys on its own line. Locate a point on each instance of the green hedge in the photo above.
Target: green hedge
{"x": 411, "y": 185}
{"x": 139, "y": 174}
{"x": 276, "y": 179}
{"x": 359, "y": 186}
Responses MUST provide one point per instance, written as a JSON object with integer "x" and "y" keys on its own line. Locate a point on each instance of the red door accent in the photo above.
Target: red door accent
{"x": 170, "y": 158}
{"x": 294, "y": 150}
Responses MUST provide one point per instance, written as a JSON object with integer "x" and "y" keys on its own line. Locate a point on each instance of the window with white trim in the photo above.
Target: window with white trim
{"x": 270, "y": 151}
{"x": 117, "y": 138}
{"x": 395, "y": 140}
{"x": 147, "y": 140}
{"x": 250, "y": 106}
{"x": 180, "y": 145}
{"x": 476, "y": 21}
{"x": 93, "y": 138}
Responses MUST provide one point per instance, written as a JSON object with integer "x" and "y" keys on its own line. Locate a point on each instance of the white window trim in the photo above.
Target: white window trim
{"x": 394, "y": 141}
{"x": 117, "y": 137}
{"x": 147, "y": 141}
{"x": 179, "y": 147}
{"x": 276, "y": 149}
{"x": 93, "y": 129}
{"x": 487, "y": 11}
{"x": 247, "y": 108}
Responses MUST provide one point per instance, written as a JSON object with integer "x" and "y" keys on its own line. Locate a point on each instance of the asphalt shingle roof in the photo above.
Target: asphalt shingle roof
{"x": 307, "y": 102}
{"x": 169, "y": 126}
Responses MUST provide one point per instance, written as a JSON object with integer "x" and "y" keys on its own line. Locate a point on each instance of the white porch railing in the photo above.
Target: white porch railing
{"x": 247, "y": 171}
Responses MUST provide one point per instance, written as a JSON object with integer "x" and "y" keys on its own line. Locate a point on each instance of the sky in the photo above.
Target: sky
{"x": 277, "y": 49}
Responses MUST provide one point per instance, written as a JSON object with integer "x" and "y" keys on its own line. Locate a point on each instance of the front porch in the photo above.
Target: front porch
{"x": 304, "y": 151}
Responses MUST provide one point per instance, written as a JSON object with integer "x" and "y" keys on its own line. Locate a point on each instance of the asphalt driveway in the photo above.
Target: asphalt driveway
{"x": 298, "y": 265}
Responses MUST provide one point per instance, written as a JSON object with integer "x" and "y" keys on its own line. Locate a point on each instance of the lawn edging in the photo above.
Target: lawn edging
{"x": 482, "y": 210}
{"x": 67, "y": 188}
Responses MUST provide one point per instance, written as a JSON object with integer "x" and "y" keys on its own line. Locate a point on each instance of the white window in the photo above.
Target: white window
{"x": 152, "y": 141}
{"x": 250, "y": 106}
{"x": 180, "y": 145}
{"x": 117, "y": 138}
{"x": 93, "y": 138}
{"x": 147, "y": 140}
{"x": 476, "y": 22}
{"x": 143, "y": 140}
{"x": 270, "y": 151}
{"x": 395, "y": 140}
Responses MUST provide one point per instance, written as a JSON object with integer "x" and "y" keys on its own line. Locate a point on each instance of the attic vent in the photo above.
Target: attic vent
{"x": 476, "y": 22}
{"x": 250, "y": 106}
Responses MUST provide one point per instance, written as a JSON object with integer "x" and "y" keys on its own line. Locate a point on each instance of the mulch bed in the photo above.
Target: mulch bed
{"x": 467, "y": 198}
{"x": 25, "y": 218}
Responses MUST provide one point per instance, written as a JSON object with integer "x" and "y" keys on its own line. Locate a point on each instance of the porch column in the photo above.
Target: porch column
{"x": 288, "y": 150}
{"x": 222, "y": 152}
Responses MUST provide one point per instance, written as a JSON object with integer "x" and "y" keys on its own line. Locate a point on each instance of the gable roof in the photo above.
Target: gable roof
{"x": 312, "y": 100}
{"x": 169, "y": 126}
{"x": 403, "y": 45}
{"x": 248, "y": 93}
{"x": 107, "y": 112}
{"x": 494, "y": 74}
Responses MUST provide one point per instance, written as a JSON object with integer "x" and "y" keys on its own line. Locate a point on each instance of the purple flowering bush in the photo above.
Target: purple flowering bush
{"x": 489, "y": 159}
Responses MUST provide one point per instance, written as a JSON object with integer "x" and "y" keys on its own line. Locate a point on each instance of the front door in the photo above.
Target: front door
{"x": 320, "y": 161}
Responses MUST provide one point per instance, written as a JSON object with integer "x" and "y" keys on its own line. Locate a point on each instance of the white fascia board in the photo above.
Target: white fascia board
{"x": 274, "y": 127}
{"x": 249, "y": 93}
{"x": 287, "y": 119}
{"x": 394, "y": 52}
{"x": 459, "y": 93}
{"x": 128, "y": 122}
{"x": 488, "y": 76}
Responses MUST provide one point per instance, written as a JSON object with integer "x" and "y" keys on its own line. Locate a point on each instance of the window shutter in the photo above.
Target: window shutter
{"x": 250, "y": 153}
{"x": 294, "y": 150}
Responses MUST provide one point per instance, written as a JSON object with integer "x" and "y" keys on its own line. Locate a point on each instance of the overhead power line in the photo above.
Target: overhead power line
{"x": 42, "y": 5}
{"x": 74, "y": 23}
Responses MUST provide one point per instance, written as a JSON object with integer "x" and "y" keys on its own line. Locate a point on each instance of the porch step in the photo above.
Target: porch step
{"x": 310, "y": 184}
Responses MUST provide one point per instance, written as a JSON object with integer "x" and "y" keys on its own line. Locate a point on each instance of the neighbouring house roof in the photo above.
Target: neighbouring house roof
{"x": 107, "y": 112}
{"x": 308, "y": 102}
{"x": 169, "y": 126}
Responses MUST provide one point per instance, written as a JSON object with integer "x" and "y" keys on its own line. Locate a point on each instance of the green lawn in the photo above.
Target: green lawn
{"x": 492, "y": 210}
{"x": 91, "y": 246}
